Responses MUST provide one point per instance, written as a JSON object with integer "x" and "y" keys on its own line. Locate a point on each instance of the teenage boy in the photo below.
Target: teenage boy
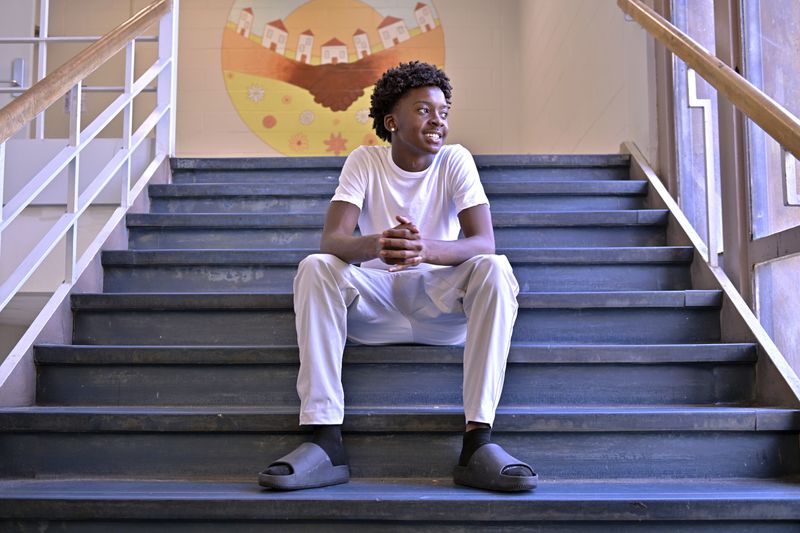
{"x": 418, "y": 282}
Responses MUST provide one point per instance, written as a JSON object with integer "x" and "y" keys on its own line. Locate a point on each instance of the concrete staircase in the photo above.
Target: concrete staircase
{"x": 179, "y": 385}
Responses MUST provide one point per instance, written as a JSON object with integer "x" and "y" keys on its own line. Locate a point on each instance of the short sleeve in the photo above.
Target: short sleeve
{"x": 467, "y": 190}
{"x": 352, "y": 186}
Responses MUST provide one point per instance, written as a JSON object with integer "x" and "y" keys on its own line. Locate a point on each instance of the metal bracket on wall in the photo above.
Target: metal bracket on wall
{"x": 791, "y": 196}
{"x": 17, "y": 75}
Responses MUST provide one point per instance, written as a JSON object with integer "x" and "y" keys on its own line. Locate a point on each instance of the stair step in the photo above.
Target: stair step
{"x": 242, "y": 318}
{"x": 652, "y": 354}
{"x": 536, "y": 375}
{"x": 303, "y": 198}
{"x": 548, "y": 229}
{"x": 492, "y": 167}
{"x": 410, "y": 504}
{"x": 424, "y": 505}
{"x": 565, "y": 269}
{"x": 235, "y": 443}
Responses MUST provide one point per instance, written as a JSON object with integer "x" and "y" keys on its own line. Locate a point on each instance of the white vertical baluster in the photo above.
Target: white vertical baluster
{"x": 2, "y": 183}
{"x": 44, "y": 29}
{"x": 73, "y": 176}
{"x": 789, "y": 171}
{"x": 711, "y": 188}
{"x": 127, "y": 124}
{"x": 167, "y": 80}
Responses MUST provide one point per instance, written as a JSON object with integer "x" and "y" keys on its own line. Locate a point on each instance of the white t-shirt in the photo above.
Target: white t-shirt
{"x": 432, "y": 198}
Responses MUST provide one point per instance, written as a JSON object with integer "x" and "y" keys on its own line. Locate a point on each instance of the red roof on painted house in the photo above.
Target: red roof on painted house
{"x": 308, "y": 32}
{"x": 278, "y": 24}
{"x": 334, "y": 42}
{"x": 359, "y": 31}
{"x": 248, "y": 9}
{"x": 388, "y": 21}
{"x": 419, "y": 6}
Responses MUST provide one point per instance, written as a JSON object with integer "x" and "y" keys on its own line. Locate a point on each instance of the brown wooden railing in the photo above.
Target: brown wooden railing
{"x": 44, "y": 93}
{"x": 763, "y": 110}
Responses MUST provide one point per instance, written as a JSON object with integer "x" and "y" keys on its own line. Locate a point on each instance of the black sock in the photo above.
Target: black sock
{"x": 329, "y": 438}
{"x": 472, "y": 441}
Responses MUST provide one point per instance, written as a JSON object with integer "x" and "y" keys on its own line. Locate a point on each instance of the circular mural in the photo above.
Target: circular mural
{"x": 300, "y": 73}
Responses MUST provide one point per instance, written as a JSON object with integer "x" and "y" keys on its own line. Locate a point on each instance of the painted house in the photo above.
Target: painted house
{"x": 304, "y": 44}
{"x": 361, "y": 40}
{"x": 424, "y": 15}
{"x": 334, "y": 51}
{"x": 275, "y": 36}
{"x": 393, "y": 31}
{"x": 245, "y": 22}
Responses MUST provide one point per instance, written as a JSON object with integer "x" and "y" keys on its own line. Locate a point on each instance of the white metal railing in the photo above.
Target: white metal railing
{"x": 161, "y": 121}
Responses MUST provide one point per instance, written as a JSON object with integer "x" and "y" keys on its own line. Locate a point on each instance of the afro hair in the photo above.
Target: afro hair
{"x": 396, "y": 82}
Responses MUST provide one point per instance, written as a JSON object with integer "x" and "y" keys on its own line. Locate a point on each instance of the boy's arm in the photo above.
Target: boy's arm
{"x": 338, "y": 239}
{"x": 476, "y": 224}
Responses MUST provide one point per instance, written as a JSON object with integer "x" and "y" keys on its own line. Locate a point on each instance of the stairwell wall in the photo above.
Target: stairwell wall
{"x": 588, "y": 78}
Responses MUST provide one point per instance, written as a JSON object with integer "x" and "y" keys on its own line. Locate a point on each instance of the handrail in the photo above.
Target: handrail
{"x": 44, "y": 93}
{"x": 763, "y": 110}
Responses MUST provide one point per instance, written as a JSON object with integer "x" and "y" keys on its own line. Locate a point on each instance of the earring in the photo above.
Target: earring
{"x": 391, "y": 129}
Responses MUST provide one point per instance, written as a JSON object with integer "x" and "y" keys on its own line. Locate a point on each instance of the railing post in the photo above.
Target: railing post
{"x": 73, "y": 181}
{"x": 167, "y": 80}
{"x": 127, "y": 124}
{"x": 44, "y": 28}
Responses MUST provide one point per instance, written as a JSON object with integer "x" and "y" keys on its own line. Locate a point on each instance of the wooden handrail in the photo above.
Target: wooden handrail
{"x": 763, "y": 110}
{"x": 39, "y": 97}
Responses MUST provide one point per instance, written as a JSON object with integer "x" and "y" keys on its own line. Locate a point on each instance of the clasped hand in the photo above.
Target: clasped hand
{"x": 401, "y": 246}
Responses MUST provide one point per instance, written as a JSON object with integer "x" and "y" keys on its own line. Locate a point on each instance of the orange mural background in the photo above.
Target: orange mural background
{"x": 302, "y": 83}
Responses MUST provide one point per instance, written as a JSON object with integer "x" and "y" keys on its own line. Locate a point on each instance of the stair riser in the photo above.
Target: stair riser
{"x": 256, "y": 239}
{"x": 240, "y": 455}
{"x": 369, "y": 385}
{"x": 302, "y": 205}
{"x": 226, "y": 327}
{"x": 332, "y": 175}
{"x": 533, "y": 278}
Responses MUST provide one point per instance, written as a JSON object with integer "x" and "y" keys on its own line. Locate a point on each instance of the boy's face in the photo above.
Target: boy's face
{"x": 419, "y": 120}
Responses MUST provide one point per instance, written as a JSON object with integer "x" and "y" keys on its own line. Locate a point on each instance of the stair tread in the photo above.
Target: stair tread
{"x": 630, "y": 217}
{"x": 734, "y": 353}
{"x": 269, "y": 300}
{"x": 417, "y": 499}
{"x": 424, "y": 418}
{"x": 606, "y": 255}
{"x": 324, "y": 190}
{"x": 331, "y": 162}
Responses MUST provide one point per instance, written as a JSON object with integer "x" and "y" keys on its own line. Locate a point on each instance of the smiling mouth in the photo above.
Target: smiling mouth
{"x": 436, "y": 137}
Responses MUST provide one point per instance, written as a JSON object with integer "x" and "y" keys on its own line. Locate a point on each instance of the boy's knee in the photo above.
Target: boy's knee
{"x": 496, "y": 270}
{"x": 316, "y": 262}
{"x": 492, "y": 265}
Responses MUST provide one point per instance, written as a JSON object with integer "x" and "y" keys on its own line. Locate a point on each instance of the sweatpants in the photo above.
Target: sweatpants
{"x": 473, "y": 304}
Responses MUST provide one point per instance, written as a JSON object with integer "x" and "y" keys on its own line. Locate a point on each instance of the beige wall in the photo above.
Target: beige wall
{"x": 545, "y": 76}
{"x": 586, "y": 77}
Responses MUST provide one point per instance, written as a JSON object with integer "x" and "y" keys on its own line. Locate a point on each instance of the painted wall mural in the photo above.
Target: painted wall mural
{"x": 300, "y": 73}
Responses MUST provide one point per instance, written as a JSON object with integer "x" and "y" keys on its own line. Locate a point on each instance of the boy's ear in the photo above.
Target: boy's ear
{"x": 389, "y": 123}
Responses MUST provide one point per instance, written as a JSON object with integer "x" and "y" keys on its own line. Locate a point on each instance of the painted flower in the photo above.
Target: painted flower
{"x": 299, "y": 142}
{"x": 255, "y": 93}
{"x": 306, "y": 117}
{"x": 362, "y": 116}
{"x": 370, "y": 140}
{"x": 286, "y": 99}
{"x": 336, "y": 144}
